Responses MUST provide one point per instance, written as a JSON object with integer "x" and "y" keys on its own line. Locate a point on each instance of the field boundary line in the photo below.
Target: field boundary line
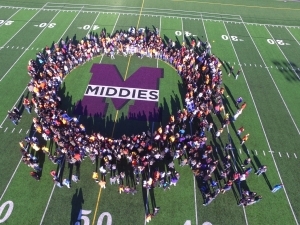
{"x": 262, "y": 126}
{"x": 9, "y": 18}
{"x": 292, "y": 35}
{"x": 28, "y": 47}
{"x": 177, "y": 15}
{"x": 23, "y": 26}
{"x": 282, "y": 52}
{"x": 235, "y": 5}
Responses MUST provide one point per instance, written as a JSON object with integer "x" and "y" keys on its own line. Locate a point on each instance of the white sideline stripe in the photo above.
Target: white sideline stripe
{"x": 14, "y": 106}
{"x": 262, "y": 126}
{"x": 292, "y": 35}
{"x": 138, "y": 8}
{"x": 25, "y": 24}
{"x": 12, "y": 176}
{"x": 153, "y": 14}
{"x": 10, "y": 17}
{"x": 27, "y": 47}
{"x": 282, "y": 53}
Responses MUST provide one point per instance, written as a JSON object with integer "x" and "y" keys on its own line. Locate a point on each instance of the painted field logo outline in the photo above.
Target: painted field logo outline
{"x": 106, "y": 82}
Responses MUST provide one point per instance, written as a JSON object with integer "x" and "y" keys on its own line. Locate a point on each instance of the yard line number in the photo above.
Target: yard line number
{"x": 8, "y": 212}
{"x": 186, "y": 33}
{"x": 86, "y": 221}
{"x": 83, "y": 215}
{"x": 7, "y": 23}
{"x": 49, "y": 25}
{"x": 87, "y": 27}
{"x": 233, "y": 38}
{"x": 279, "y": 42}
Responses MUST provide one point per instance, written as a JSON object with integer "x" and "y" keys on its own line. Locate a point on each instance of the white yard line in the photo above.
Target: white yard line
{"x": 10, "y": 17}
{"x": 25, "y": 24}
{"x": 115, "y": 24}
{"x": 93, "y": 24}
{"x": 21, "y": 158}
{"x": 292, "y": 35}
{"x": 272, "y": 80}
{"x": 262, "y": 126}
{"x": 195, "y": 197}
{"x": 283, "y": 53}
{"x": 27, "y": 47}
{"x": 70, "y": 24}
{"x": 12, "y": 176}
{"x": 47, "y": 205}
{"x": 50, "y": 197}
{"x": 14, "y": 105}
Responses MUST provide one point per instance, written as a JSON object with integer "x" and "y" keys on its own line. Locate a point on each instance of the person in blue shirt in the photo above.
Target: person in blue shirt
{"x": 238, "y": 101}
{"x": 277, "y": 187}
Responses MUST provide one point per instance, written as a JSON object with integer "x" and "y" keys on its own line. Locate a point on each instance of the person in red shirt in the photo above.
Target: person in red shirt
{"x": 243, "y": 106}
{"x": 27, "y": 105}
{"x": 240, "y": 130}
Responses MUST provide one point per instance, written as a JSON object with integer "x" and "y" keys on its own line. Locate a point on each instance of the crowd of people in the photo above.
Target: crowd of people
{"x": 147, "y": 156}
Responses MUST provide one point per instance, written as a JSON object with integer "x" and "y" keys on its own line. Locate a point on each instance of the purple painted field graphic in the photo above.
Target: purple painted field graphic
{"x": 106, "y": 82}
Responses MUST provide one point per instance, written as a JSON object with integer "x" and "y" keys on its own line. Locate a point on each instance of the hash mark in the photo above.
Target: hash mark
{"x": 27, "y": 131}
{"x": 295, "y": 155}
{"x": 20, "y": 130}
{"x": 5, "y": 129}
{"x": 279, "y": 154}
{"x": 255, "y": 152}
{"x": 288, "y": 155}
{"x": 264, "y": 153}
{"x": 13, "y": 130}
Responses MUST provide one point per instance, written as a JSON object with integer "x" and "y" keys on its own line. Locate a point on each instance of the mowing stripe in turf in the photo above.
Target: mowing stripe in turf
{"x": 24, "y": 25}
{"x": 262, "y": 126}
{"x": 27, "y": 47}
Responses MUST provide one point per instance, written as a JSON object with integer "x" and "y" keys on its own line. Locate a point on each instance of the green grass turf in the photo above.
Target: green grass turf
{"x": 177, "y": 205}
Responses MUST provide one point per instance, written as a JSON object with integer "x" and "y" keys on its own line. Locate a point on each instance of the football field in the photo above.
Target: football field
{"x": 260, "y": 38}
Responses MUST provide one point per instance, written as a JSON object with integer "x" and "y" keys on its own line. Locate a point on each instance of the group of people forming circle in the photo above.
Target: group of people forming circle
{"x": 147, "y": 158}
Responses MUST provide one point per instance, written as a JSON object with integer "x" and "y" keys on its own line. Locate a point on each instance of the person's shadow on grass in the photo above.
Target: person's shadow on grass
{"x": 77, "y": 201}
{"x": 263, "y": 174}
